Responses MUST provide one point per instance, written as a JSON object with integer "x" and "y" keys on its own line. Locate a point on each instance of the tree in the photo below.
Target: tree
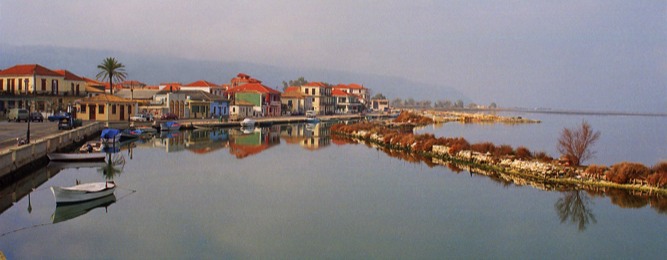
{"x": 575, "y": 144}
{"x": 298, "y": 82}
{"x": 493, "y": 105}
{"x": 459, "y": 103}
{"x": 397, "y": 102}
{"x": 112, "y": 70}
{"x": 379, "y": 96}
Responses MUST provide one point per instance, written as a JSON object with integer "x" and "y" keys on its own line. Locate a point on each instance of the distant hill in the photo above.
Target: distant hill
{"x": 155, "y": 69}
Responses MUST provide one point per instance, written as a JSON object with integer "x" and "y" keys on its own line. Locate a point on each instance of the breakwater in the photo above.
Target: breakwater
{"x": 14, "y": 159}
{"x": 538, "y": 172}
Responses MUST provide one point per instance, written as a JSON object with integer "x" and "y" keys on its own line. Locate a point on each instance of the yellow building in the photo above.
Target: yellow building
{"x": 105, "y": 107}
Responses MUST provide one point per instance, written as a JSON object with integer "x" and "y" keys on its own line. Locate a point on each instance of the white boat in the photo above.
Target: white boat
{"x": 72, "y": 210}
{"x": 311, "y": 117}
{"x": 76, "y": 156}
{"x": 83, "y": 192}
{"x": 170, "y": 126}
{"x": 248, "y": 122}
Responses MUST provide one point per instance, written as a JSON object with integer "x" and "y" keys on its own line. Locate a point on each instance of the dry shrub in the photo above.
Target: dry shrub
{"x": 523, "y": 153}
{"x": 504, "y": 150}
{"x": 454, "y": 149}
{"x": 595, "y": 171}
{"x": 485, "y": 147}
{"x": 626, "y": 172}
{"x": 660, "y": 167}
{"x": 543, "y": 156}
{"x": 658, "y": 179}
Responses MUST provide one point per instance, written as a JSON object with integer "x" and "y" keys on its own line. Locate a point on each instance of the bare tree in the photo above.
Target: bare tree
{"x": 575, "y": 144}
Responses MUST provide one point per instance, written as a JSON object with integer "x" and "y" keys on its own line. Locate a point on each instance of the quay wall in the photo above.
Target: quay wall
{"x": 14, "y": 158}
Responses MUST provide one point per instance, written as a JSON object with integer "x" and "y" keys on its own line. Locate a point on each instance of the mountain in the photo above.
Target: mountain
{"x": 153, "y": 70}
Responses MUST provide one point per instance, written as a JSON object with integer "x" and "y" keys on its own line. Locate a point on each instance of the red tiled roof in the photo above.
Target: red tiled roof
{"x": 257, "y": 87}
{"x": 133, "y": 82}
{"x": 106, "y": 98}
{"x": 292, "y": 89}
{"x": 351, "y": 86}
{"x": 93, "y": 82}
{"x": 29, "y": 69}
{"x": 339, "y": 93}
{"x": 69, "y": 75}
{"x": 202, "y": 83}
{"x": 315, "y": 84}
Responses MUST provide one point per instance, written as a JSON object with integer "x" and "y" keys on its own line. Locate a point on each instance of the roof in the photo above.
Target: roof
{"x": 339, "y": 92}
{"x": 136, "y": 94}
{"x": 202, "y": 83}
{"x": 350, "y": 86}
{"x": 314, "y": 84}
{"x": 292, "y": 89}
{"x": 106, "y": 98}
{"x": 293, "y": 94}
{"x": 69, "y": 75}
{"x": 256, "y": 87}
{"x": 28, "y": 69}
{"x": 93, "y": 89}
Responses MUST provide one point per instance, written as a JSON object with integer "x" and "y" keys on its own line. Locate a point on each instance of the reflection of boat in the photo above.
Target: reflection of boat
{"x": 311, "y": 117}
{"x": 68, "y": 165}
{"x": 72, "y": 210}
{"x": 170, "y": 126}
{"x": 248, "y": 122}
{"x": 92, "y": 146}
{"x": 247, "y": 129}
{"x": 76, "y": 156}
{"x": 146, "y": 129}
{"x": 110, "y": 136}
{"x": 83, "y": 192}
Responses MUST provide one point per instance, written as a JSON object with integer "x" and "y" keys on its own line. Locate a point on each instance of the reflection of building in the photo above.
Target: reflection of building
{"x": 243, "y": 144}
{"x": 309, "y": 136}
{"x": 206, "y": 141}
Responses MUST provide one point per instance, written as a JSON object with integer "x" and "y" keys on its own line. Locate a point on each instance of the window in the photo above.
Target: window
{"x": 83, "y": 108}
{"x": 113, "y": 109}
{"x": 101, "y": 109}
{"x": 306, "y": 91}
{"x": 43, "y": 84}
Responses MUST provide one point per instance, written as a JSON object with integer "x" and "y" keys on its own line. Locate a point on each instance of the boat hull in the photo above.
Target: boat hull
{"x": 76, "y": 156}
{"x": 248, "y": 122}
{"x": 82, "y": 192}
{"x": 170, "y": 126}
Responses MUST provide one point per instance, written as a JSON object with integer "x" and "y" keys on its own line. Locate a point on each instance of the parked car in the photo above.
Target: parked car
{"x": 17, "y": 114}
{"x": 142, "y": 117}
{"x": 36, "y": 116}
{"x": 169, "y": 116}
{"x": 58, "y": 116}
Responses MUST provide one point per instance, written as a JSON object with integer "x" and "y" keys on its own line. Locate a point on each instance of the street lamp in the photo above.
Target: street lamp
{"x": 29, "y": 116}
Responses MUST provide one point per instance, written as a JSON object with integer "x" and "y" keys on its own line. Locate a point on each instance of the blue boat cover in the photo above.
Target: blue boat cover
{"x": 170, "y": 123}
{"x": 109, "y": 133}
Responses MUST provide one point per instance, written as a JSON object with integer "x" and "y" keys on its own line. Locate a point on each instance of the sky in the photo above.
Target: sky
{"x": 604, "y": 55}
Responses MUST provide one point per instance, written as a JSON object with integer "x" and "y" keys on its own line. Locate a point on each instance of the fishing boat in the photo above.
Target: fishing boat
{"x": 76, "y": 156}
{"x": 83, "y": 192}
{"x": 110, "y": 136}
{"x": 170, "y": 126}
{"x": 248, "y": 122}
{"x": 311, "y": 117}
{"x": 72, "y": 210}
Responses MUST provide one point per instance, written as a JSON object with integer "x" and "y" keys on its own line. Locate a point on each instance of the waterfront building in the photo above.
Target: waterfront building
{"x": 295, "y": 102}
{"x": 240, "y": 110}
{"x": 317, "y": 97}
{"x": 104, "y": 107}
{"x": 201, "y": 104}
{"x": 359, "y": 90}
{"x": 265, "y": 100}
{"x": 37, "y": 87}
{"x": 206, "y": 86}
{"x": 346, "y": 103}
{"x": 379, "y": 104}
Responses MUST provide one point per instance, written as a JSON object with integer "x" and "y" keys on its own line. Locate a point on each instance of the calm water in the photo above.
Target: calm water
{"x": 293, "y": 192}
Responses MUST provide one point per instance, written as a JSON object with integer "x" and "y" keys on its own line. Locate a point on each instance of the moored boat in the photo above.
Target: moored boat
{"x": 83, "y": 192}
{"x": 248, "y": 122}
{"x": 170, "y": 126}
{"x": 110, "y": 136}
{"x": 76, "y": 156}
{"x": 92, "y": 146}
{"x": 311, "y": 117}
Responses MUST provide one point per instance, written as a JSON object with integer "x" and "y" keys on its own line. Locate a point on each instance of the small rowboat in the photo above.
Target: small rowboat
{"x": 83, "y": 192}
{"x": 170, "y": 126}
{"x": 76, "y": 156}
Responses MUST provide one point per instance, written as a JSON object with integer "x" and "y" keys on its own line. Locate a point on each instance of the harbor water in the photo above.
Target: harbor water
{"x": 295, "y": 192}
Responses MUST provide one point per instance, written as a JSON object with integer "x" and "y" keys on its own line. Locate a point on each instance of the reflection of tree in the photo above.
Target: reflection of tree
{"x": 625, "y": 199}
{"x": 574, "y": 205}
{"x": 113, "y": 167}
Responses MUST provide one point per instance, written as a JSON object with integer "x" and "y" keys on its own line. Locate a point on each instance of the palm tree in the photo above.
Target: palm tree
{"x": 111, "y": 69}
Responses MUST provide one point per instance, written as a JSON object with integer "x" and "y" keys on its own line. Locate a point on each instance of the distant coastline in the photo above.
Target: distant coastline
{"x": 552, "y": 111}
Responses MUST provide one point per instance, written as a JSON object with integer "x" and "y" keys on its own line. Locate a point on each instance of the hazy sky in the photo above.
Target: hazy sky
{"x": 600, "y": 55}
